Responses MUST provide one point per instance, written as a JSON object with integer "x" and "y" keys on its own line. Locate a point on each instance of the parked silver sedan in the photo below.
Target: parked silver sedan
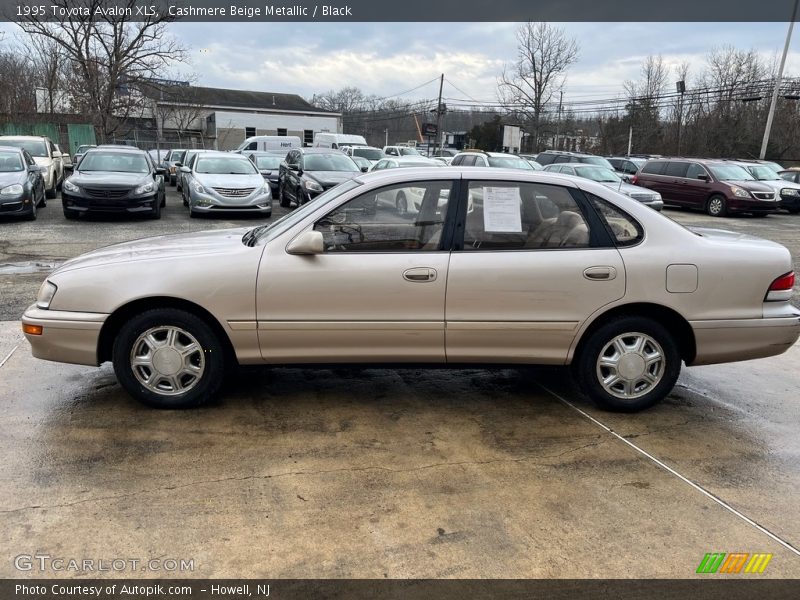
{"x": 220, "y": 182}
{"x": 546, "y": 269}
{"x": 611, "y": 180}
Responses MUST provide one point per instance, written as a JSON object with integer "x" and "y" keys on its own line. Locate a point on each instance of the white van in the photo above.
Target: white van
{"x": 270, "y": 143}
{"x": 335, "y": 140}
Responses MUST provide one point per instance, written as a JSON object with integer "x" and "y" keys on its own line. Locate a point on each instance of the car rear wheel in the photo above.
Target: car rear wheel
{"x": 628, "y": 364}
{"x": 717, "y": 206}
{"x": 169, "y": 358}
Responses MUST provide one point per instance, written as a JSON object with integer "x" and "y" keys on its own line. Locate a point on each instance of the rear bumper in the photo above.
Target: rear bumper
{"x": 743, "y": 339}
{"x": 69, "y": 337}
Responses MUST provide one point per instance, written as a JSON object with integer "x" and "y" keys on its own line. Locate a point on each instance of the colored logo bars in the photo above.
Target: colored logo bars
{"x": 734, "y": 562}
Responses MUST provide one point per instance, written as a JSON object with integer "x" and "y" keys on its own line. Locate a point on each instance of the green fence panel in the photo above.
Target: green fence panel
{"x": 79, "y": 135}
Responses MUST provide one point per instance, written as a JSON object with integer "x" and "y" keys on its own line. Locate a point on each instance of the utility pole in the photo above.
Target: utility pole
{"x": 558, "y": 120}
{"x": 778, "y": 80}
{"x": 681, "y": 87}
{"x": 439, "y": 116}
{"x": 386, "y": 137}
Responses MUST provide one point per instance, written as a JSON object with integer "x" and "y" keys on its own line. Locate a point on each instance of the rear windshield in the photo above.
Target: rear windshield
{"x": 596, "y": 160}
{"x": 509, "y": 162}
{"x": 268, "y": 162}
{"x": 368, "y": 153}
{"x": 409, "y": 152}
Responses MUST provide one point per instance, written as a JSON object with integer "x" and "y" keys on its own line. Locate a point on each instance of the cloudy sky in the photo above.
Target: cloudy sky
{"x": 387, "y": 58}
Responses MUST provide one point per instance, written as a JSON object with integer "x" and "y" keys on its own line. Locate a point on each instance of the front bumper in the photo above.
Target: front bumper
{"x": 69, "y": 337}
{"x": 137, "y": 204}
{"x": 751, "y": 205}
{"x": 207, "y": 203}
{"x": 20, "y": 204}
{"x": 743, "y": 339}
{"x": 790, "y": 202}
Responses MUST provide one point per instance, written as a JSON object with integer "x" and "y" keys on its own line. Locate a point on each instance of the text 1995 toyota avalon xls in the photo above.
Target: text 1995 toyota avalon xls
{"x": 497, "y": 266}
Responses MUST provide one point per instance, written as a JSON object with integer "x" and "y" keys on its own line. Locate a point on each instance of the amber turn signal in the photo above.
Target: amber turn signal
{"x": 32, "y": 329}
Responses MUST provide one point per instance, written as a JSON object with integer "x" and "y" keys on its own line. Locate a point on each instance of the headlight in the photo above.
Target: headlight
{"x": 145, "y": 188}
{"x": 656, "y": 197}
{"x": 312, "y": 186}
{"x": 71, "y": 187}
{"x": 199, "y": 189}
{"x": 740, "y": 192}
{"x": 266, "y": 189}
{"x": 790, "y": 192}
{"x": 11, "y": 190}
{"x": 45, "y": 295}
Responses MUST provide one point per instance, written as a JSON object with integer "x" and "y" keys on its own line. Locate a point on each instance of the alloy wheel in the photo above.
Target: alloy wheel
{"x": 167, "y": 360}
{"x": 630, "y": 365}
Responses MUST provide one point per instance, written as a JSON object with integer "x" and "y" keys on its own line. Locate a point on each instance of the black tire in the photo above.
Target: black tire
{"x": 51, "y": 193}
{"x": 164, "y": 200}
{"x": 282, "y": 199}
{"x": 589, "y": 371}
{"x": 793, "y": 211}
{"x": 193, "y": 213}
{"x": 185, "y": 201}
{"x": 202, "y": 389}
{"x": 70, "y": 214}
{"x": 156, "y": 214}
{"x": 401, "y": 203}
{"x": 717, "y": 206}
{"x": 31, "y": 216}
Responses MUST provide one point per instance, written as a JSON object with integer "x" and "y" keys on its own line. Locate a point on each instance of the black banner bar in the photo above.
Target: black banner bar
{"x": 410, "y": 10}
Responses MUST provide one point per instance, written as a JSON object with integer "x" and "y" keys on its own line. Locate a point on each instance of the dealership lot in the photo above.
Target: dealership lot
{"x": 388, "y": 473}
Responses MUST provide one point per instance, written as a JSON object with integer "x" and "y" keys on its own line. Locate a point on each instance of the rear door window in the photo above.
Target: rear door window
{"x": 654, "y": 168}
{"x": 676, "y": 169}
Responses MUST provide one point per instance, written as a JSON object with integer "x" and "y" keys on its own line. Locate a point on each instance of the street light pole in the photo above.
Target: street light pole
{"x": 778, "y": 80}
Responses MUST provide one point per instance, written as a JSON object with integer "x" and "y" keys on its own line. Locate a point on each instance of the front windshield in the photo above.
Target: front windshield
{"x": 764, "y": 173}
{"x": 509, "y": 162}
{"x": 329, "y": 162}
{"x": 368, "y": 153}
{"x": 35, "y": 147}
{"x": 177, "y": 155}
{"x": 268, "y": 162}
{"x": 224, "y": 165}
{"x": 597, "y": 160}
{"x": 730, "y": 173}
{"x": 409, "y": 152}
{"x": 117, "y": 162}
{"x": 10, "y": 162}
{"x": 361, "y": 161}
{"x": 597, "y": 174}
{"x": 264, "y": 233}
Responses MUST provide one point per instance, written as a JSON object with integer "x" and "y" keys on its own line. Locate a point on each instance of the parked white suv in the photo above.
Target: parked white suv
{"x": 45, "y": 153}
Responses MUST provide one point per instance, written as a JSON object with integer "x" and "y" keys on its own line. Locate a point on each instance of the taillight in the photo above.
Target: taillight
{"x": 635, "y": 179}
{"x": 781, "y": 289}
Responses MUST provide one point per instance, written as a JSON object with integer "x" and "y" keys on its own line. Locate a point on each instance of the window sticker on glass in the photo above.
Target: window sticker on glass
{"x": 502, "y": 210}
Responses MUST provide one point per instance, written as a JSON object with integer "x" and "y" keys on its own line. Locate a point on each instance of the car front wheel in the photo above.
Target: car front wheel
{"x": 628, "y": 364}
{"x": 717, "y": 206}
{"x": 169, "y": 358}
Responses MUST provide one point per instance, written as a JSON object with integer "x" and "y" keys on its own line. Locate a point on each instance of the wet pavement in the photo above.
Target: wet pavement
{"x": 386, "y": 473}
{"x": 400, "y": 473}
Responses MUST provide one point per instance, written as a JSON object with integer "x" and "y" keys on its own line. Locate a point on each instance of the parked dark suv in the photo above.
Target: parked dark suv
{"x": 715, "y": 186}
{"x": 549, "y": 157}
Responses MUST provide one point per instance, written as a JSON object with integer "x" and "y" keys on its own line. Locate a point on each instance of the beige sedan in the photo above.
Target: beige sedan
{"x": 513, "y": 267}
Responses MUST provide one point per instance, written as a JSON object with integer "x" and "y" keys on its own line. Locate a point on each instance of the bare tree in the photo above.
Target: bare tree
{"x": 644, "y": 109}
{"x": 177, "y": 107}
{"x": 544, "y": 54}
{"x": 110, "y": 54}
{"x": 47, "y": 60}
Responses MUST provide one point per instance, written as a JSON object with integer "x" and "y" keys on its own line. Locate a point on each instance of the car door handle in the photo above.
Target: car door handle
{"x": 420, "y": 274}
{"x": 600, "y": 273}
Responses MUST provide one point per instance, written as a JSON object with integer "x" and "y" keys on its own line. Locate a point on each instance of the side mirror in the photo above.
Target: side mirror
{"x": 703, "y": 177}
{"x": 57, "y": 154}
{"x": 160, "y": 170}
{"x": 364, "y": 169}
{"x": 308, "y": 242}
{"x": 264, "y": 172}
{"x": 185, "y": 170}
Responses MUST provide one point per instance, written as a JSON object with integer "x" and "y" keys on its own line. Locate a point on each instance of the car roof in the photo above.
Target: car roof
{"x": 117, "y": 149}
{"x": 319, "y": 151}
{"x": 10, "y": 148}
